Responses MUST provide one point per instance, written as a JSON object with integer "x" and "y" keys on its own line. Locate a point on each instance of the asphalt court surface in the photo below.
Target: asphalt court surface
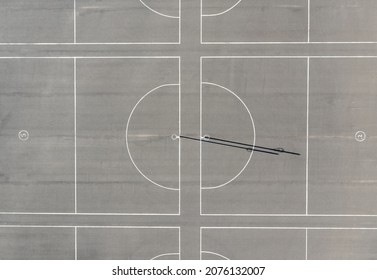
{"x": 212, "y": 129}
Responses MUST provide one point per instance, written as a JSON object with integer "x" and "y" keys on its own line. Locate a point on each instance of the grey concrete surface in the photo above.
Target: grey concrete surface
{"x": 255, "y": 21}
{"x": 343, "y": 20}
{"x": 127, "y": 21}
{"x": 127, "y": 244}
{"x": 342, "y": 171}
{"x": 38, "y": 186}
{"x": 253, "y": 244}
{"x": 35, "y": 243}
{"x": 36, "y": 21}
{"x": 342, "y": 244}
{"x": 37, "y": 175}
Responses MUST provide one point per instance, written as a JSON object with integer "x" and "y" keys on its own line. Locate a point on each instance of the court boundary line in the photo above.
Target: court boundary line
{"x": 94, "y": 227}
{"x": 309, "y": 23}
{"x": 287, "y": 43}
{"x": 306, "y": 244}
{"x": 76, "y": 243}
{"x": 75, "y": 212}
{"x": 203, "y": 57}
{"x": 200, "y": 133}
{"x": 75, "y": 123}
{"x": 179, "y": 139}
{"x": 306, "y": 214}
{"x": 74, "y": 22}
{"x": 179, "y": 17}
{"x": 307, "y": 136}
{"x": 87, "y": 57}
{"x": 295, "y": 228}
{"x": 89, "y": 214}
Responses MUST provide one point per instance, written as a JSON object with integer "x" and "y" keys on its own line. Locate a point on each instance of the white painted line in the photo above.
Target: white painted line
{"x": 200, "y": 243}
{"x": 200, "y": 133}
{"x": 179, "y": 243}
{"x": 154, "y": 11}
{"x": 309, "y": 4}
{"x": 127, "y": 145}
{"x": 224, "y": 12}
{"x": 90, "y": 214}
{"x": 252, "y": 127}
{"x": 75, "y": 243}
{"x": 35, "y": 226}
{"x": 75, "y": 123}
{"x": 287, "y": 215}
{"x": 94, "y": 43}
{"x": 164, "y": 255}
{"x": 307, "y": 135}
{"x": 297, "y": 228}
{"x": 290, "y": 56}
{"x": 201, "y": 22}
{"x": 179, "y": 134}
{"x": 306, "y": 244}
{"x": 74, "y": 22}
{"x": 94, "y": 227}
{"x": 180, "y": 22}
{"x": 284, "y": 43}
{"x": 176, "y": 57}
{"x": 215, "y": 254}
{"x": 88, "y": 57}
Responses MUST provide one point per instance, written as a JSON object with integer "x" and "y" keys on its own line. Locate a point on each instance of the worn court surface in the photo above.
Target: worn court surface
{"x": 95, "y": 94}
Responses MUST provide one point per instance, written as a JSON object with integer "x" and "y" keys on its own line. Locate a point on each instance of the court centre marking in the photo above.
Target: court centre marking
{"x": 253, "y": 128}
{"x": 127, "y": 127}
